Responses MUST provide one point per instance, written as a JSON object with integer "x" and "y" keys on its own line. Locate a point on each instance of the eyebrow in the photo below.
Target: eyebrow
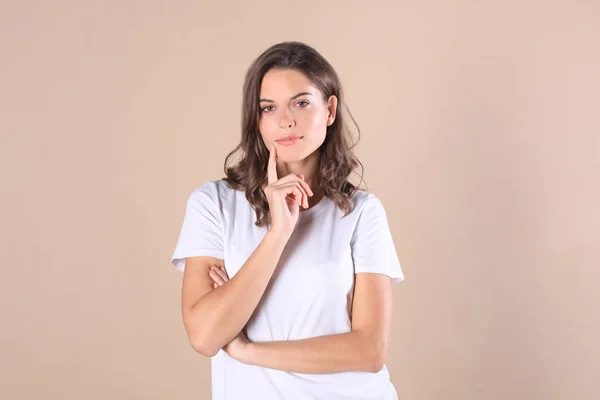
{"x": 295, "y": 97}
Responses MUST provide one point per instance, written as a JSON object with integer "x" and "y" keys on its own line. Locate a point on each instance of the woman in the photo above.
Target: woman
{"x": 307, "y": 311}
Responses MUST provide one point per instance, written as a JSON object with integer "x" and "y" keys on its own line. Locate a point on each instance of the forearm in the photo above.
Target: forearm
{"x": 226, "y": 310}
{"x": 319, "y": 355}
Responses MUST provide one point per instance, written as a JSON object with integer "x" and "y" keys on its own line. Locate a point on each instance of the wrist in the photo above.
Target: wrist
{"x": 246, "y": 355}
{"x": 278, "y": 237}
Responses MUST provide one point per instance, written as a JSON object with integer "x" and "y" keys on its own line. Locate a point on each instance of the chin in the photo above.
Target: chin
{"x": 295, "y": 156}
{"x": 290, "y": 158}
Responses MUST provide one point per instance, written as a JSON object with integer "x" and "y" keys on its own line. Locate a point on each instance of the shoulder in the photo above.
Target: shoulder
{"x": 214, "y": 188}
{"x": 364, "y": 201}
{"x": 215, "y": 191}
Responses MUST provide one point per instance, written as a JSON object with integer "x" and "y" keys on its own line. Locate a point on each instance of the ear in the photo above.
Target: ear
{"x": 331, "y": 109}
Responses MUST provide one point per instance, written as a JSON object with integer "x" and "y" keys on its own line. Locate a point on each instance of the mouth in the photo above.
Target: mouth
{"x": 289, "y": 141}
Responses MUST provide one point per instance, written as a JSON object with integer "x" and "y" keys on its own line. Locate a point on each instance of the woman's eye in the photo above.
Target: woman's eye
{"x": 302, "y": 104}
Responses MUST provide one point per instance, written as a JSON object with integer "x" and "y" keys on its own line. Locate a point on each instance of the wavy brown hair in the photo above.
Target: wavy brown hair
{"x": 337, "y": 159}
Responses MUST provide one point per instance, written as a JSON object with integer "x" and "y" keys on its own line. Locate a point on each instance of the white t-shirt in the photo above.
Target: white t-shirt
{"x": 309, "y": 294}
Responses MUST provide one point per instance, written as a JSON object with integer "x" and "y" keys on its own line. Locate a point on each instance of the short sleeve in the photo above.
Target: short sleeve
{"x": 202, "y": 230}
{"x": 372, "y": 245}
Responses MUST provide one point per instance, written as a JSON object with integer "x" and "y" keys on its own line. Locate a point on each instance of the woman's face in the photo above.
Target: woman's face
{"x": 290, "y": 106}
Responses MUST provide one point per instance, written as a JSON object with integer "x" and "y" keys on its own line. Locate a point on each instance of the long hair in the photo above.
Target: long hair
{"x": 337, "y": 159}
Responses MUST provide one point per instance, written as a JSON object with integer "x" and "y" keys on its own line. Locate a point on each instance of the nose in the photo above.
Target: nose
{"x": 286, "y": 119}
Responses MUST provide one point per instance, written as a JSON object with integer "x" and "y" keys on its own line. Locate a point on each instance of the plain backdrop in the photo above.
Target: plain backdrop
{"x": 480, "y": 134}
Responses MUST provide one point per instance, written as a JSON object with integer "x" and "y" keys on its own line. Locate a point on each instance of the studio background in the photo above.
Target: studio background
{"x": 480, "y": 134}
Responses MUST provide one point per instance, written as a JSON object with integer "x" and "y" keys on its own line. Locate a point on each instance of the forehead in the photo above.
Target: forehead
{"x": 285, "y": 83}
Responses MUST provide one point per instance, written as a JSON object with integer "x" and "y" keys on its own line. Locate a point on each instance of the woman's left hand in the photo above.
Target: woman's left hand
{"x": 238, "y": 346}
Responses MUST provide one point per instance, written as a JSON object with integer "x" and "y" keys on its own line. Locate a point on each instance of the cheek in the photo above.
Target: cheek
{"x": 267, "y": 129}
{"x": 315, "y": 123}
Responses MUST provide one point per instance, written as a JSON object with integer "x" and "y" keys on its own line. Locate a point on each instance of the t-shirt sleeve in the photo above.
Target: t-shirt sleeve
{"x": 202, "y": 230}
{"x": 372, "y": 246}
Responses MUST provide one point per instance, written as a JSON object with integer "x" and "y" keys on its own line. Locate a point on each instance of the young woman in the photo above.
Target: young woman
{"x": 287, "y": 265}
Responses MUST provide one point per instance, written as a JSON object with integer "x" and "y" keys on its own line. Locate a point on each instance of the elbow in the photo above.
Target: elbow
{"x": 201, "y": 346}
{"x": 205, "y": 351}
{"x": 376, "y": 362}
{"x": 376, "y": 359}
{"x": 374, "y": 348}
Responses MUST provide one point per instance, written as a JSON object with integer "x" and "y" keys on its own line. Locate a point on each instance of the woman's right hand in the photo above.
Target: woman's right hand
{"x": 285, "y": 196}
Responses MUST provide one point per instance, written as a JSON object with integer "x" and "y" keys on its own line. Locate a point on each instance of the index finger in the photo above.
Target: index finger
{"x": 272, "y": 167}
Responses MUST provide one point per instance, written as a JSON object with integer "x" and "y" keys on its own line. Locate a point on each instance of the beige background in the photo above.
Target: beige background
{"x": 480, "y": 135}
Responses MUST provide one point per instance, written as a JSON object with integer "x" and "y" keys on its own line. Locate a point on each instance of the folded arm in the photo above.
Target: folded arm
{"x": 362, "y": 349}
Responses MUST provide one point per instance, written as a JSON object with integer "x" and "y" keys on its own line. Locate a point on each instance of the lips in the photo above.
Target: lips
{"x": 287, "y": 141}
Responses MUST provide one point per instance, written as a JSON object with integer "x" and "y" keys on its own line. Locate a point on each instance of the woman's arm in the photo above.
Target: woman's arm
{"x": 217, "y": 317}
{"x": 352, "y": 351}
{"x": 362, "y": 349}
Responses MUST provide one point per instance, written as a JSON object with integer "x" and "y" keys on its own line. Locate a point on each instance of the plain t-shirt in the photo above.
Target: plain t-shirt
{"x": 309, "y": 294}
